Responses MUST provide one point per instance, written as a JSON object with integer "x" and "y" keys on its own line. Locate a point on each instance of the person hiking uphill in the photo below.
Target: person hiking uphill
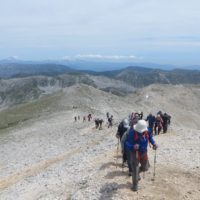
{"x": 141, "y": 115}
{"x": 158, "y": 124}
{"x": 89, "y": 117}
{"x": 166, "y": 121}
{"x": 100, "y": 124}
{"x": 151, "y": 120}
{"x": 107, "y": 115}
{"x": 136, "y": 144}
{"x": 122, "y": 128}
{"x": 110, "y": 121}
{"x": 96, "y": 121}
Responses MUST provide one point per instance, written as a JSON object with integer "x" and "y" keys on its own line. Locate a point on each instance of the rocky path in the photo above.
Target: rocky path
{"x": 56, "y": 159}
{"x": 174, "y": 179}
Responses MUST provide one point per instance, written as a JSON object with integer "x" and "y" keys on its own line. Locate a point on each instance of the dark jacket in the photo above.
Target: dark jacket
{"x": 121, "y": 130}
{"x": 151, "y": 119}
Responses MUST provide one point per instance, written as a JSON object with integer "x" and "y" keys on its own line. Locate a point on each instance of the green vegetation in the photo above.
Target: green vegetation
{"x": 14, "y": 115}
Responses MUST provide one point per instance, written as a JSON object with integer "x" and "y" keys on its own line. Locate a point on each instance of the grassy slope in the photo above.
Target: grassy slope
{"x": 12, "y": 116}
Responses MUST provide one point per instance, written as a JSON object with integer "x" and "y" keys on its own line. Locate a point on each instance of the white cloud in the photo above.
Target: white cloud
{"x": 102, "y": 57}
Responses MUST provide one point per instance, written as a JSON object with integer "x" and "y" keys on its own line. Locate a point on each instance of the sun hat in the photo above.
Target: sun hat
{"x": 141, "y": 126}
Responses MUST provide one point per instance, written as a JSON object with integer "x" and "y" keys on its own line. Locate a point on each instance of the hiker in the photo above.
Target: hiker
{"x": 84, "y": 118}
{"x": 166, "y": 121}
{"x": 136, "y": 144}
{"x": 75, "y": 118}
{"x": 100, "y": 124}
{"x": 89, "y": 117}
{"x": 96, "y": 123}
{"x": 78, "y": 117}
{"x": 122, "y": 128}
{"x": 110, "y": 121}
{"x": 160, "y": 113}
{"x": 107, "y": 115}
{"x": 151, "y": 121}
{"x": 141, "y": 115}
{"x": 158, "y": 125}
{"x": 134, "y": 119}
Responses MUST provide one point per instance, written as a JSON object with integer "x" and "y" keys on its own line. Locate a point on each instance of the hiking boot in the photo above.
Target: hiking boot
{"x": 130, "y": 173}
{"x": 135, "y": 188}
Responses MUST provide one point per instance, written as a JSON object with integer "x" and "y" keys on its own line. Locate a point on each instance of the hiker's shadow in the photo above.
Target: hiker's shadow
{"x": 109, "y": 189}
{"x": 117, "y": 157}
{"x": 114, "y": 174}
{"x": 110, "y": 164}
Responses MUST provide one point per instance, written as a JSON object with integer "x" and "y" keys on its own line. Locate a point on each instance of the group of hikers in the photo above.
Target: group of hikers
{"x": 98, "y": 121}
{"x": 77, "y": 118}
{"x": 159, "y": 122}
{"x": 134, "y": 133}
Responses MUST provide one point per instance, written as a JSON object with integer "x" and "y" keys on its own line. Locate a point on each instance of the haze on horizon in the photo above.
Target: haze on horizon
{"x": 165, "y": 31}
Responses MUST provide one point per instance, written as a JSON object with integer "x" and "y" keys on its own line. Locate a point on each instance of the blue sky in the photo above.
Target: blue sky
{"x": 161, "y": 31}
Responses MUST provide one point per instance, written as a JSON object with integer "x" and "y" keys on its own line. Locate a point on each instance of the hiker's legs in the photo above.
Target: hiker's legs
{"x": 151, "y": 129}
{"x": 124, "y": 157}
{"x": 159, "y": 129}
{"x": 155, "y": 129}
{"x": 144, "y": 161}
{"x": 128, "y": 153}
{"x": 133, "y": 169}
{"x": 165, "y": 128}
{"x": 100, "y": 127}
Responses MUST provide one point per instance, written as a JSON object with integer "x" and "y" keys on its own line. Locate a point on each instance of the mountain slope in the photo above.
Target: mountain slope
{"x": 49, "y": 156}
{"x": 22, "y": 90}
{"x": 140, "y": 76}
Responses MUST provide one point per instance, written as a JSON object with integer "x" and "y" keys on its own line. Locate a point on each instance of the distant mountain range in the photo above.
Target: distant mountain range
{"x": 136, "y": 76}
{"x": 97, "y": 65}
{"x": 9, "y": 70}
{"x": 23, "y": 82}
{"x": 140, "y": 76}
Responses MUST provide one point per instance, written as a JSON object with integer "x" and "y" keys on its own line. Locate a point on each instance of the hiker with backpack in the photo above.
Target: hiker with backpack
{"x": 107, "y": 115}
{"x": 135, "y": 145}
{"x": 158, "y": 125}
{"x": 134, "y": 118}
{"x": 122, "y": 128}
{"x": 166, "y": 121}
{"x": 96, "y": 121}
{"x": 89, "y": 117}
{"x": 141, "y": 115}
{"x": 122, "y": 135}
{"x": 151, "y": 121}
{"x": 100, "y": 124}
{"x": 110, "y": 121}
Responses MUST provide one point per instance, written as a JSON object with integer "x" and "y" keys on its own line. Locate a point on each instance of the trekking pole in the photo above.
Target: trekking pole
{"x": 154, "y": 169}
{"x": 135, "y": 173}
{"x": 117, "y": 152}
